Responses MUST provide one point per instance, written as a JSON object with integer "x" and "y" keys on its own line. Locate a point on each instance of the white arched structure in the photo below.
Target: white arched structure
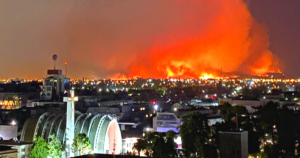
{"x": 103, "y": 130}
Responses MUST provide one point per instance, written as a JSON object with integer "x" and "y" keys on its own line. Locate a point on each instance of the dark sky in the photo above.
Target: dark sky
{"x": 282, "y": 19}
{"x": 30, "y": 32}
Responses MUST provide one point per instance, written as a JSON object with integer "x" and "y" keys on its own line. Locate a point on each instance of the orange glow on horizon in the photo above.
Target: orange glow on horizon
{"x": 228, "y": 43}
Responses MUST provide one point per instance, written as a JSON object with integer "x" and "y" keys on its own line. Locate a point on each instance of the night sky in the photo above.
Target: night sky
{"x": 282, "y": 19}
{"x": 30, "y": 32}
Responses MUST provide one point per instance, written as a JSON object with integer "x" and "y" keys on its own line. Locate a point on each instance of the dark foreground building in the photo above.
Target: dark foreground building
{"x": 233, "y": 144}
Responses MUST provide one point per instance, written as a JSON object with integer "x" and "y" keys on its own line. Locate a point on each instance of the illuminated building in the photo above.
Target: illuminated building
{"x": 8, "y": 132}
{"x": 36, "y": 103}
{"x": 53, "y": 85}
{"x": 164, "y": 122}
{"x": 120, "y": 112}
{"x": 128, "y": 145}
{"x": 130, "y": 134}
{"x": 12, "y": 100}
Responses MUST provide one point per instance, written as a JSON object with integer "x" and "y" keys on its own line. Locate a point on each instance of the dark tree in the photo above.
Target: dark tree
{"x": 140, "y": 145}
{"x": 194, "y": 133}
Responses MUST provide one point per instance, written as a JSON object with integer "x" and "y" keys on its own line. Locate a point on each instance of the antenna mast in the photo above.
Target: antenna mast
{"x": 54, "y": 58}
{"x": 66, "y": 64}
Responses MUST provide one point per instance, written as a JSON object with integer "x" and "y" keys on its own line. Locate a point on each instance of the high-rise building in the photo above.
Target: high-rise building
{"x": 53, "y": 85}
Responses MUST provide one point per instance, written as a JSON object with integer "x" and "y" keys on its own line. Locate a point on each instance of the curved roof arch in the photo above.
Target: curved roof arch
{"x": 97, "y": 128}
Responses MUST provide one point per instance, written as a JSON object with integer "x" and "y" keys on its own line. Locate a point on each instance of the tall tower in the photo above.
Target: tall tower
{"x": 70, "y": 122}
{"x": 54, "y": 58}
{"x": 66, "y": 65}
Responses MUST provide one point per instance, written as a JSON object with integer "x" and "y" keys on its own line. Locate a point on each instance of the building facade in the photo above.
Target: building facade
{"x": 16, "y": 149}
{"x": 164, "y": 121}
{"x": 53, "y": 85}
{"x": 233, "y": 144}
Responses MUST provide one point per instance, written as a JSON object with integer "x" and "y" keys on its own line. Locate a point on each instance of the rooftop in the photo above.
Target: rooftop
{"x": 132, "y": 132}
{"x": 12, "y": 143}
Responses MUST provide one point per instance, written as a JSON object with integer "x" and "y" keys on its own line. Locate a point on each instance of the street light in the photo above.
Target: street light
{"x": 155, "y": 107}
{"x": 13, "y": 123}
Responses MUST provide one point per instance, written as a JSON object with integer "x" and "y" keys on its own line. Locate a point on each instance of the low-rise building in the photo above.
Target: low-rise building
{"x": 115, "y": 102}
{"x": 8, "y": 132}
{"x": 7, "y": 152}
{"x": 17, "y": 149}
{"x": 11, "y": 100}
{"x": 165, "y": 121}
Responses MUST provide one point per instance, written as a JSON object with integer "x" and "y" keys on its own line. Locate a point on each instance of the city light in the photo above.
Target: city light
{"x": 153, "y": 102}
{"x": 13, "y": 123}
{"x": 155, "y": 107}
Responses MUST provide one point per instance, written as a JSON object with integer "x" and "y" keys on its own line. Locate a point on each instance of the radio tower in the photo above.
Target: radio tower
{"x": 54, "y": 58}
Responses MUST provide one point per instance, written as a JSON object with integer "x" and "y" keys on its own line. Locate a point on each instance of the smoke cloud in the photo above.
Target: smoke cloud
{"x": 149, "y": 38}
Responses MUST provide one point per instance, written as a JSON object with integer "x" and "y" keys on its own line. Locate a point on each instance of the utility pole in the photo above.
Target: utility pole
{"x": 237, "y": 122}
{"x": 221, "y": 82}
{"x": 66, "y": 64}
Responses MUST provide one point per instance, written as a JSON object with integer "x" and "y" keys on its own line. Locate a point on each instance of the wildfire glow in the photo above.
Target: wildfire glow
{"x": 207, "y": 76}
{"x": 230, "y": 40}
{"x": 187, "y": 39}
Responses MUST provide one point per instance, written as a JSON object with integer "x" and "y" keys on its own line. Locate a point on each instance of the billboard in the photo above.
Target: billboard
{"x": 54, "y": 72}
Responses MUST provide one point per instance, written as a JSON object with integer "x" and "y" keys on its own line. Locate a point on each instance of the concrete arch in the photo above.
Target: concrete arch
{"x": 24, "y": 129}
{"x": 32, "y": 127}
{"x": 61, "y": 128}
{"x": 113, "y": 137}
{"x": 54, "y": 126}
{"x": 103, "y": 130}
{"x": 40, "y": 122}
{"x": 95, "y": 128}
{"x": 86, "y": 124}
{"x": 92, "y": 122}
{"x": 100, "y": 136}
{"x": 46, "y": 124}
{"x": 79, "y": 122}
{"x": 78, "y": 119}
